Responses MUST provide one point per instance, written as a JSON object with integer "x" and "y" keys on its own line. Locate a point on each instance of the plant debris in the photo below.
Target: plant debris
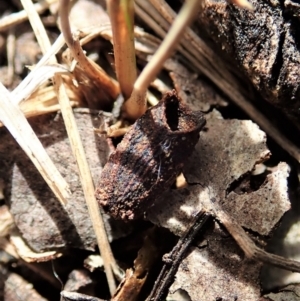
{"x": 227, "y": 151}
{"x": 205, "y": 234}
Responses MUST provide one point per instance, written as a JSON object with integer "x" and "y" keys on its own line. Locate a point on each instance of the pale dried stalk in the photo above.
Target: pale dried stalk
{"x": 40, "y": 73}
{"x": 44, "y": 101}
{"x": 27, "y": 254}
{"x": 169, "y": 44}
{"x": 35, "y": 79}
{"x": 10, "y": 50}
{"x": 121, "y": 16}
{"x": 87, "y": 184}
{"x": 21, "y": 16}
{"x": 76, "y": 146}
{"x": 78, "y": 151}
{"x": 37, "y": 26}
{"x": 121, "y": 13}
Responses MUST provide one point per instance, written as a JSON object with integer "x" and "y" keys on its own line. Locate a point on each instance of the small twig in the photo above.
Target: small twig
{"x": 73, "y": 296}
{"x": 174, "y": 258}
{"x": 249, "y": 247}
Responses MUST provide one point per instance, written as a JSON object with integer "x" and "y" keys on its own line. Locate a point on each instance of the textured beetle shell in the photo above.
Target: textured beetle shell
{"x": 148, "y": 159}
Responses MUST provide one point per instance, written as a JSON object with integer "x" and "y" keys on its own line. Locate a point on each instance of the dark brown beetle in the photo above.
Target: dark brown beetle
{"x": 148, "y": 159}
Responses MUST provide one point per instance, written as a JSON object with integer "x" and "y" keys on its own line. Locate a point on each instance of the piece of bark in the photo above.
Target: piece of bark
{"x": 263, "y": 43}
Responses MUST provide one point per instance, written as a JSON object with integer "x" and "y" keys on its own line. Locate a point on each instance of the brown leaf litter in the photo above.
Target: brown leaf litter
{"x": 43, "y": 223}
{"x": 227, "y": 151}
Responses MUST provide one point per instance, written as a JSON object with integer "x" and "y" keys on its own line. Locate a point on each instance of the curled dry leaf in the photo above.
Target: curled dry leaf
{"x": 27, "y": 254}
{"x": 42, "y": 221}
{"x": 135, "y": 278}
{"x": 227, "y": 151}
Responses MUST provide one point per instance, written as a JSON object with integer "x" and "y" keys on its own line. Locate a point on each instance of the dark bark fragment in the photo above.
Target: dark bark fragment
{"x": 149, "y": 158}
{"x": 265, "y": 45}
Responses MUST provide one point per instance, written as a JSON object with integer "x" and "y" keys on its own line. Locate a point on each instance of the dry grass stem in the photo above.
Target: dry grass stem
{"x": 44, "y": 101}
{"x": 21, "y": 16}
{"x": 156, "y": 22}
{"x": 166, "y": 49}
{"x": 10, "y": 50}
{"x": 121, "y": 14}
{"x": 76, "y": 146}
{"x": 37, "y": 76}
{"x": 38, "y": 27}
{"x": 87, "y": 183}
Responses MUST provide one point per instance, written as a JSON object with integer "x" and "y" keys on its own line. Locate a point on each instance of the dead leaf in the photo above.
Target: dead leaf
{"x": 227, "y": 151}
{"x": 77, "y": 279}
{"x": 289, "y": 293}
{"x": 218, "y": 271}
{"x": 42, "y": 221}
{"x": 17, "y": 288}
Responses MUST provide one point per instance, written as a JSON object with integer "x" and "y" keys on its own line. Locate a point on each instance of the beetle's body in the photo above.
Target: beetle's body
{"x": 148, "y": 159}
